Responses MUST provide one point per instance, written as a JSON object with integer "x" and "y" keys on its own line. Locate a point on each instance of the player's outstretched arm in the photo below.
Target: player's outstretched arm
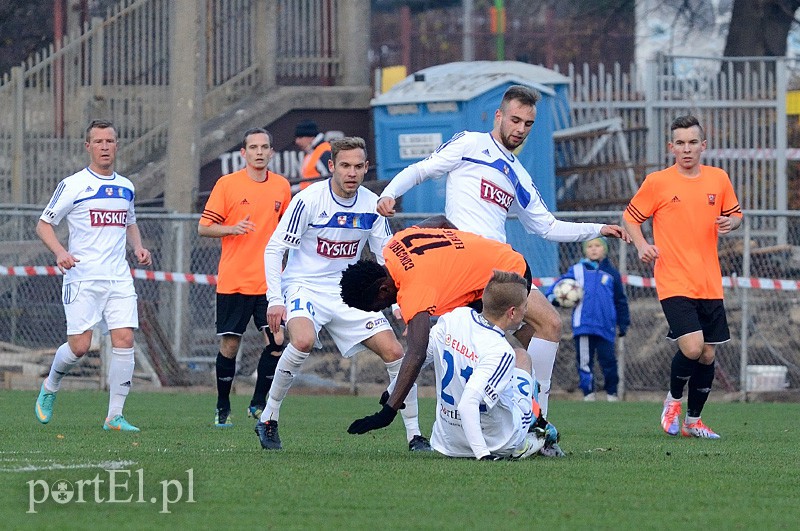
{"x": 419, "y": 328}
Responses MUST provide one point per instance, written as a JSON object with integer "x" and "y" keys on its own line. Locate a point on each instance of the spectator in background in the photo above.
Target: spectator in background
{"x": 243, "y": 210}
{"x": 318, "y": 152}
{"x": 596, "y": 318}
{"x": 98, "y": 289}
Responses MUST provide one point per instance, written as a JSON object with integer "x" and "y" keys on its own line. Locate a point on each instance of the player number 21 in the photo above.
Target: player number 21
{"x": 449, "y": 372}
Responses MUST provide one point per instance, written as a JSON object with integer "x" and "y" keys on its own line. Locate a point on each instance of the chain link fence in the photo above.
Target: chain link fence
{"x": 176, "y": 343}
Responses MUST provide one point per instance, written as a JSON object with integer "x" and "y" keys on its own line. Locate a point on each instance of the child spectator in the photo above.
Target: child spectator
{"x": 596, "y": 318}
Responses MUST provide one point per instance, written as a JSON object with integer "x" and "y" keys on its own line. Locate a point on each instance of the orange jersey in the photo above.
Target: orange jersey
{"x": 684, "y": 212}
{"x": 310, "y": 168}
{"x": 438, "y": 270}
{"x": 234, "y": 197}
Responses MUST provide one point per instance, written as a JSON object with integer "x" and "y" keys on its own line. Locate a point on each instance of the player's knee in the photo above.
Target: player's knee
{"x": 393, "y": 352}
{"x": 302, "y": 342}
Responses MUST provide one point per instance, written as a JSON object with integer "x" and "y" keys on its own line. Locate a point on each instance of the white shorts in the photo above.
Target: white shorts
{"x": 347, "y": 326}
{"x": 112, "y": 303}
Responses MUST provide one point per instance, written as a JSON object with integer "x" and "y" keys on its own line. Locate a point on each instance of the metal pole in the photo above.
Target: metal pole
{"x": 177, "y": 339}
{"x": 623, "y": 270}
{"x": 743, "y": 333}
{"x": 468, "y": 41}
{"x": 781, "y": 142}
{"x": 500, "y": 39}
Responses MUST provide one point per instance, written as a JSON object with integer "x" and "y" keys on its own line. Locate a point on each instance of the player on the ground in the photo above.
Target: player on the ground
{"x": 324, "y": 230}
{"x": 429, "y": 271}
{"x": 243, "y": 210}
{"x": 98, "y": 288}
{"x": 691, "y": 205}
{"x": 484, "y": 391}
{"x": 485, "y": 183}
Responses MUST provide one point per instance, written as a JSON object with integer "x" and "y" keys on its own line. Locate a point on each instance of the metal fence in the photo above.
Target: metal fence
{"x": 176, "y": 343}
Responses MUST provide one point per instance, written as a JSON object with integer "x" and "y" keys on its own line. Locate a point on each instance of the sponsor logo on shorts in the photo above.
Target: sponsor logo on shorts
{"x": 108, "y": 218}
{"x": 332, "y": 249}
{"x": 376, "y": 323}
{"x": 494, "y": 194}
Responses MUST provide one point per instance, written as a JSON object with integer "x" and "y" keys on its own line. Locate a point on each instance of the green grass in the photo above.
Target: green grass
{"x": 622, "y": 471}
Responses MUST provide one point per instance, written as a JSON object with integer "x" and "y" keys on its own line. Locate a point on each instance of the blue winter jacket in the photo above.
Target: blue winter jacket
{"x": 604, "y": 306}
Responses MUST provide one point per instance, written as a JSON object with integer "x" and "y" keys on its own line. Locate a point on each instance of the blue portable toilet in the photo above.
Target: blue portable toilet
{"x": 427, "y": 108}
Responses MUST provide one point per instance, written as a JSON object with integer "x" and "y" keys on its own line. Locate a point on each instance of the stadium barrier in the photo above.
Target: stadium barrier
{"x": 176, "y": 344}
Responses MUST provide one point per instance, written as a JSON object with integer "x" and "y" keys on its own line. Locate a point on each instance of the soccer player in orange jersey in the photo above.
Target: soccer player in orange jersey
{"x": 243, "y": 210}
{"x": 691, "y": 205}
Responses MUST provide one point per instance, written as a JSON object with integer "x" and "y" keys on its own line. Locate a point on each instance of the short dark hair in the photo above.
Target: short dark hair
{"x": 255, "y": 131}
{"x": 504, "y": 290}
{"x": 346, "y": 144}
{"x": 521, "y": 93}
{"x": 99, "y": 124}
{"x": 360, "y": 283}
{"x": 685, "y": 122}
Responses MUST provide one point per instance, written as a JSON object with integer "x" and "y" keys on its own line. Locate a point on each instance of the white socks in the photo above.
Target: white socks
{"x": 63, "y": 361}
{"x": 120, "y": 374}
{"x": 410, "y": 413}
{"x": 543, "y": 357}
{"x": 289, "y": 364}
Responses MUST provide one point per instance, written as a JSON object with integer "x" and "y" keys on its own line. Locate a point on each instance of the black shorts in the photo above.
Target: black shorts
{"x": 234, "y": 311}
{"x": 685, "y": 315}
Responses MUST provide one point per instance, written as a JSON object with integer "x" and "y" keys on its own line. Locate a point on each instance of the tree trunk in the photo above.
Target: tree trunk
{"x": 760, "y": 27}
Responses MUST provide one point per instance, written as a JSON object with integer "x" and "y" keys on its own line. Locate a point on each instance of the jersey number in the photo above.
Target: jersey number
{"x": 296, "y": 306}
{"x": 442, "y": 241}
{"x": 449, "y": 372}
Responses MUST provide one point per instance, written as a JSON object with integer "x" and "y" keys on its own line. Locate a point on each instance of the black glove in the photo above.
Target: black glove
{"x": 381, "y": 419}
{"x": 490, "y": 457}
{"x": 385, "y": 398}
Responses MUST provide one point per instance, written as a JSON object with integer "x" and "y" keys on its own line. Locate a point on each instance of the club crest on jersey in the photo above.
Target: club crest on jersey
{"x": 109, "y": 191}
{"x": 494, "y": 194}
{"x": 108, "y": 218}
{"x": 333, "y": 249}
{"x": 712, "y": 199}
{"x": 341, "y": 220}
{"x": 278, "y": 206}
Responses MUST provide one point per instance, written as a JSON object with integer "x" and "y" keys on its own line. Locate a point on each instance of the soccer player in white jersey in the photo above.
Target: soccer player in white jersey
{"x": 484, "y": 391}
{"x": 324, "y": 230}
{"x": 98, "y": 289}
{"x": 486, "y": 182}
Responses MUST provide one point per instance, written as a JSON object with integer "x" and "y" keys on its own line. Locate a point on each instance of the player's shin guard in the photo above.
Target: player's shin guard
{"x": 289, "y": 364}
{"x": 226, "y": 370}
{"x": 410, "y": 413}
{"x": 681, "y": 370}
{"x": 543, "y": 357}
{"x": 63, "y": 362}
{"x": 120, "y": 374}
{"x": 699, "y": 389}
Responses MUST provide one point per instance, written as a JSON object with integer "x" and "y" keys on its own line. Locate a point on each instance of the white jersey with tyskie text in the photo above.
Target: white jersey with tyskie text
{"x": 98, "y": 210}
{"x": 324, "y": 234}
{"x": 470, "y": 353}
{"x": 485, "y": 183}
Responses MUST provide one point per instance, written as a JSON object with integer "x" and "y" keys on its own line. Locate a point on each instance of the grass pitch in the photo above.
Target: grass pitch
{"x": 622, "y": 472}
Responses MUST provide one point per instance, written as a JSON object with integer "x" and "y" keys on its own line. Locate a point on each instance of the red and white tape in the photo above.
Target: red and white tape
{"x": 193, "y": 278}
{"x": 141, "y": 274}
